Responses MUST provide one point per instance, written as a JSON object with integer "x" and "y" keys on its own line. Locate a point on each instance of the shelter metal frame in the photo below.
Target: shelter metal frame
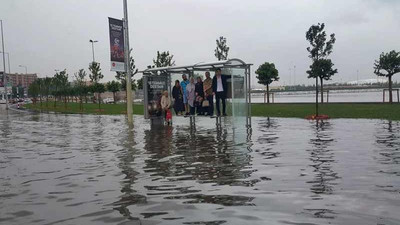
{"x": 205, "y": 66}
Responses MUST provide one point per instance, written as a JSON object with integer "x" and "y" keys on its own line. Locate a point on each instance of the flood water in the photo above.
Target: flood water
{"x": 85, "y": 169}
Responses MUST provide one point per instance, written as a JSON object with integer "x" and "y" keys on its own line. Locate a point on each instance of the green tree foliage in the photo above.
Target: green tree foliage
{"x": 121, "y": 76}
{"x": 64, "y": 85}
{"x": 34, "y": 90}
{"x": 47, "y": 82}
{"x": 59, "y": 83}
{"x": 320, "y": 49}
{"x": 98, "y": 88}
{"x": 266, "y": 74}
{"x": 164, "y": 59}
{"x": 113, "y": 86}
{"x": 321, "y": 68}
{"x": 388, "y": 65}
{"x": 95, "y": 72}
{"x": 221, "y": 51}
{"x": 140, "y": 83}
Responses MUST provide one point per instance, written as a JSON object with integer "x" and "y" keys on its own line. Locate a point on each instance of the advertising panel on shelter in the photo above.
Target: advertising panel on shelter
{"x": 117, "y": 44}
{"x": 1, "y": 79}
{"x": 156, "y": 85}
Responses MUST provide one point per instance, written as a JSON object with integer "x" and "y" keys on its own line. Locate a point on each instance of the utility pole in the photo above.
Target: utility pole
{"x": 8, "y": 58}
{"x": 357, "y": 78}
{"x": 294, "y": 74}
{"x": 127, "y": 66}
{"x": 4, "y": 64}
{"x": 93, "y": 41}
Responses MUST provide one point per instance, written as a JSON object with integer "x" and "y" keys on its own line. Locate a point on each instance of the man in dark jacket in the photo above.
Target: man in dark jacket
{"x": 220, "y": 88}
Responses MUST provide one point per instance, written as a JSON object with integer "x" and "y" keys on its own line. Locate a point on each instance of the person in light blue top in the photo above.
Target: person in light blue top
{"x": 184, "y": 83}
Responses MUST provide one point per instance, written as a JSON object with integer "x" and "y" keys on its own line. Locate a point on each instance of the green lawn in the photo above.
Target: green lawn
{"x": 333, "y": 110}
{"x": 89, "y": 108}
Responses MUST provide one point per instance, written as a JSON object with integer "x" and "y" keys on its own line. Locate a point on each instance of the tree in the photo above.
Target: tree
{"x": 121, "y": 76}
{"x": 95, "y": 72}
{"x": 55, "y": 84}
{"x": 388, "y": 65}
{"x": 140, "y": 83}
{"x": 33, "y": 91}
{"x": 163, "y": 59}
{"x": 61, "y": 79}
{"x": 323, "y": 69}
{"x": 266, "y": 74}
{"x": 80, "y": 79}
{"x": 221, "y": 51}
{"x": 98, "y": 88}
{"x": 320, "y": 48}
{"x": 39, "y": 82}
{"x": 47, "y": 82}
{"x": 113, "y": 86}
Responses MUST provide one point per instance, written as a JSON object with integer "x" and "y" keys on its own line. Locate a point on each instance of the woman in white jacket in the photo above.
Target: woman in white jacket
{"x": 191, "y": 95}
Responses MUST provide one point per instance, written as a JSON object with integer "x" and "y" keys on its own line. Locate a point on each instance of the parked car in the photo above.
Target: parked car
{"x": 108, "y": 100}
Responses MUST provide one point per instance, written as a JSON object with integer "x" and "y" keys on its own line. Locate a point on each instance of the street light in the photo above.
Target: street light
{"x": 4, "y": 64}
{"x": 26, "y": 68}
{"x": 93, "y": 41}
{"x": 8, "y": 56}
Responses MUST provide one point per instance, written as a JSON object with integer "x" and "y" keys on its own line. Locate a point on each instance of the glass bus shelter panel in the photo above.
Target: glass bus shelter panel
{"x": 237, "y": 91}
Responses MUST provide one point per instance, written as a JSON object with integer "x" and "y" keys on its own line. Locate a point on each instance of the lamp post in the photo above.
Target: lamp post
{"x": 8, "y": 58}
{"x": 129, "y": 110}
{"x": 4, "y": 64}
{"x": 93, "y": 41}
{"x": 26, "y": 68}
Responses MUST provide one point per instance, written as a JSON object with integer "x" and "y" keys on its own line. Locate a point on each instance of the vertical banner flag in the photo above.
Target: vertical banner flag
{"x": 117, "y": 44}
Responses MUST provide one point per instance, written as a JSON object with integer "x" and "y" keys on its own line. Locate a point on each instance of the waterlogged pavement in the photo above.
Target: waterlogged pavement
{"x": 86, "y": 169}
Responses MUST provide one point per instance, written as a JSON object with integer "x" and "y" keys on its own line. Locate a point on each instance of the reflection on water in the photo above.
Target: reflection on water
{"x": 322, "y": 158}
{"x": 58, "y": 169}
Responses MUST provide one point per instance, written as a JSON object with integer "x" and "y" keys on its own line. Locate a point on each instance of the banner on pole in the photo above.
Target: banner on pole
{"x": 117, "y": 44}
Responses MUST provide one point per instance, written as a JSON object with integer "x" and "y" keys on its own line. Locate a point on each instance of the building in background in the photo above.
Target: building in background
{"x": 24, "y": 80}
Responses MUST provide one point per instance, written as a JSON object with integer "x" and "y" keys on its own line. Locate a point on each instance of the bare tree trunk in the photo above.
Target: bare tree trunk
{"x": 316, "y": 96}
{"x": 390, "y": 89}
{"x": 65, "y": 101}
{"x": 114, "y": 97}
{"x": 268, "y": 93}
{"x": 98, "y": 99}
{"x": 81, "y": 102}
{"x": 322, "y": 91}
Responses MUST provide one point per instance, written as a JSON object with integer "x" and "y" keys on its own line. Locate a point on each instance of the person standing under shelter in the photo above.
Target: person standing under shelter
{"x": 190, "y": 95}
{"x": 184, "y": 83}
{"x": 177, "y": 95}
{"x": 165, "y": 103}
{"x": 220, "y": 88}
{"x": 199, "y": 96}
{"x": 208, "y": 94}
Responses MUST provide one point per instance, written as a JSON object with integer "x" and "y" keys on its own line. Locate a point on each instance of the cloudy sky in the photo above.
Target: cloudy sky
{"x": 46, "y": 35}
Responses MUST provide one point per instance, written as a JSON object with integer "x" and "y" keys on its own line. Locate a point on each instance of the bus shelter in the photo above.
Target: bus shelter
{"x": 157, "y": 80}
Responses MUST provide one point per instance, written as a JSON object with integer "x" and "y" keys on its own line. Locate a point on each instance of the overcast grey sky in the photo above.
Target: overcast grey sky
{"x": 46, "y": 35}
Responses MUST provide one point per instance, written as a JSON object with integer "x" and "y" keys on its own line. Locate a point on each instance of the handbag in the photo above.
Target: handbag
{"x": 206, "y": 103}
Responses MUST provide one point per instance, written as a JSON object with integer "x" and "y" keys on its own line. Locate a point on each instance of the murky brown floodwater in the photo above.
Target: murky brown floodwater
{"x": 72, "y": 169}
